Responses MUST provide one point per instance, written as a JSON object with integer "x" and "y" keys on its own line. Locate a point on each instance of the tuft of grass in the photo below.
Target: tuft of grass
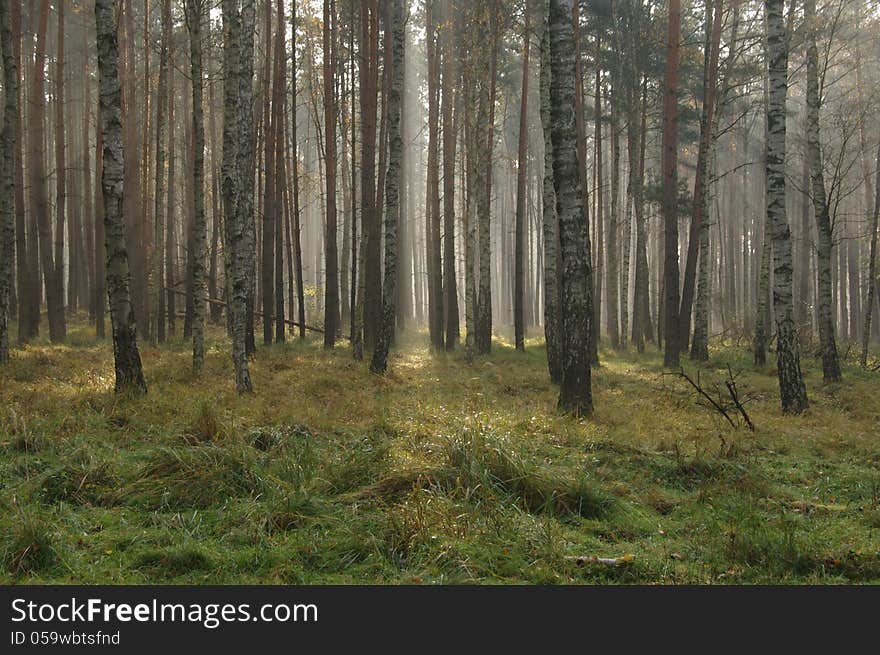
{"x": 173, "y": 561}
{"x": 28, "y": 547}
{"x": 84, "y": 480}
{"x": 206, "y": 428}
{"x": 361, "y": 461}
{"x": 481, "y": 462}
{"x": 196, "y": 477}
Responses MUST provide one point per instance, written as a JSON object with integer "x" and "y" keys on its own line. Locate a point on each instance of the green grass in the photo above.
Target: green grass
{"x": 439, "y": 472}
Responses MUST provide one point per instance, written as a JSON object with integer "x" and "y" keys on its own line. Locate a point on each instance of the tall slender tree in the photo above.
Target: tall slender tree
{"x": 195, "y": 12}
{"x": 522, "y": 162}
{"x": 379, "y": 361}
{"x": 158, "y": 330}
{"x": 792, "y": 391}
{"x": 235, "y": 163}
{"x": 821, "y": 210}
{"x": 8, "y": 138}
{"x": 129, "y": 374}
{"x": 670, "y": 186}
{"x": 575, "y": 392}
{"x": 450, "y": 123}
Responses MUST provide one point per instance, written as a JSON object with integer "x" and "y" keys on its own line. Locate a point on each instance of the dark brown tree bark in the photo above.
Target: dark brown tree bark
{"x": 450, "y": 123}
{"x": 331, "y": 258}
{"x": 522, "y": 157}
{"x": 8, "y": 138}
{"x": 670, "y": 187}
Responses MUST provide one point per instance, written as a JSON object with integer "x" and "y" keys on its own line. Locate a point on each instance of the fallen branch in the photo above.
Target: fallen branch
{"x": 734, "y": 395}
{"x": 583, "y": 560}
{"x": 699, "y": 389}
{"x": 221, "y": 303}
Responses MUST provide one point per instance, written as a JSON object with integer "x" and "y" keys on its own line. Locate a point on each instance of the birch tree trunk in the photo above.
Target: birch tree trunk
{"x": 550, "y": 223}
{"x": 793, "y": 393}
{"x": 236, "y": 228}
{"x": 575, "y": 392}
{"x": 195, "y": 14}
{"x": 379, "y": 362}
{"x": 129, "y": 375}
{"x": 828, "y": 345}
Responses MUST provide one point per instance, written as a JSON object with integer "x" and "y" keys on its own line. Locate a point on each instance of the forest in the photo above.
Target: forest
{"x": 439, "y": 292}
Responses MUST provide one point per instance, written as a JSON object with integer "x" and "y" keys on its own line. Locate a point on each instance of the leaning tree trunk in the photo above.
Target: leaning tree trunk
{"x": 828, "y": 345}
{"x": 793, "y": 393}
{"x": 194, "y": 16}
{"x": 8, "y": 138}
{"x": 379, "y": 362}
{"x": 129, "y": 375}
{"x": 575, "y": 392}
{"x": 550, "y": 224}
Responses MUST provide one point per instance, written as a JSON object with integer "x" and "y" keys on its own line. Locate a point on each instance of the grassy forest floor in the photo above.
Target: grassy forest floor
{"x": 438, "y": 472}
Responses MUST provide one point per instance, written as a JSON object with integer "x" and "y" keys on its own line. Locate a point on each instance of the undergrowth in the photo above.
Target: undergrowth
{"x": 440, "y": 472}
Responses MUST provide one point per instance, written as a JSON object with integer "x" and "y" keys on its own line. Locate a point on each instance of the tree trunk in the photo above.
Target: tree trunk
{"x": 39, "y": 200}
{"x": 379, "y": 361}
{"x": 60, "y": 180}
{"x": 8, "y": 139}
{"x": 234, "y": 151}
{"x": 792, "y": 391}
{"x": 171, "y": 224}
{"x": 297, "y": 244}
{"x": 486, "y": 139}
{"x": 450, "y": 123}
{"x": 432, "y": 204}
{"x": 670, "y": 187}
{"x": 157, "y": 333}
{"x": 700, "y": 198}
{"x": 195, "y": 15}
{"x": 25, "y": 248}
{"x": 522, "y": 155}
{"x": 575, "y": 391}
{"x": 129, "y": 375}
{"x": 872, "y": 269}
{"x": 828, "y": 345}
{"x": 550, "y": 224}
{"x": 279, "y": 110}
